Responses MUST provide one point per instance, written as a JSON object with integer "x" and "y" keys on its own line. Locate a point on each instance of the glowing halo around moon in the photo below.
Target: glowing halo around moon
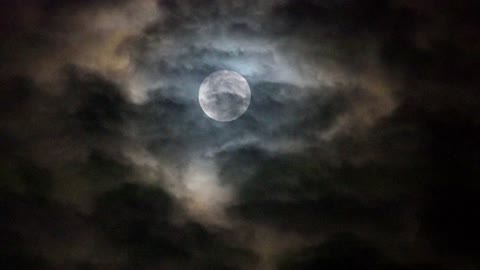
{"x": 224, "y": 95}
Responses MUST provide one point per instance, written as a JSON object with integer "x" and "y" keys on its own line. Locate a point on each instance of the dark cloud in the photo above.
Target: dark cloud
{"x": 346, "y": 251}
{"x": 136, "y": 219}
{"x": 359, "y": 148}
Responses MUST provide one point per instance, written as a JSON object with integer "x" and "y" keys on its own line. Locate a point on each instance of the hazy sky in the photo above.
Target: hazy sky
{"x": 359, "y": 149}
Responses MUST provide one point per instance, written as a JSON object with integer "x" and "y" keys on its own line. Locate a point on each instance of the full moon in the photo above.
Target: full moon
{"x": 224, "y": 95}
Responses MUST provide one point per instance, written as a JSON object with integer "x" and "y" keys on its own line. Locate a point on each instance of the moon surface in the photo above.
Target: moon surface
{"x": 224, "y": 95}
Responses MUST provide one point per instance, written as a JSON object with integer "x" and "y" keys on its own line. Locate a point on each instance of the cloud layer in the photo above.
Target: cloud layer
{"x": 358, "y": 149}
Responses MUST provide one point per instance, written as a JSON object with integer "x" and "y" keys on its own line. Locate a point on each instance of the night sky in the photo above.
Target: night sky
{"x": 359, "y": 150}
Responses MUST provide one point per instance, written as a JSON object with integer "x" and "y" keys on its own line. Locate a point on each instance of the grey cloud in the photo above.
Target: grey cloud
{"x": 362, "y": 122}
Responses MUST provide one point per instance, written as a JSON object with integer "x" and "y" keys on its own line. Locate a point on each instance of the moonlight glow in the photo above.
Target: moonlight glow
{"x": 224, "y": 95}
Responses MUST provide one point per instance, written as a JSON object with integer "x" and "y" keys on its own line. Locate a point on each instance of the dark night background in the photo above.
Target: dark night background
{"x": 359, "y": 149}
